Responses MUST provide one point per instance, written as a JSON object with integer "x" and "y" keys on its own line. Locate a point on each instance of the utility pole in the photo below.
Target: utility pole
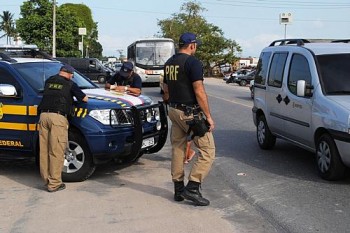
{"x": 54, "y": 29}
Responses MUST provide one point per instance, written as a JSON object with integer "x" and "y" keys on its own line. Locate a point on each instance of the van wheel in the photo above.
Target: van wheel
{"x": 78, "y": 163}
{"x": 329, "y": 164}
{"x": 265, "y": 138}
{"x": 101, "y": 79}
{"x": 243, "y": 83}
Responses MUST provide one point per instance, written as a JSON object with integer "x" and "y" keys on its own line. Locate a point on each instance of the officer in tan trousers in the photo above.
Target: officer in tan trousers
{"x": 189, "y": 110}
{"x": 55, "y": 107}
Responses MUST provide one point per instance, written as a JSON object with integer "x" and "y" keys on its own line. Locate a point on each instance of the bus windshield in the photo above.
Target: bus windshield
{"x": 154, "y": 53}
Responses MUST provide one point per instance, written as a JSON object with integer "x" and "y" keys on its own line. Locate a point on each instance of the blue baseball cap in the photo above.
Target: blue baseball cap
{"x": 126, "y": 68}
{"x": 67, "y": 68}
{"x": 188, "y": 38}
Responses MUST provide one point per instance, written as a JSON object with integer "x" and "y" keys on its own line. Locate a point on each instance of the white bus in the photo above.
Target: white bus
{"x": 149, "y": 56}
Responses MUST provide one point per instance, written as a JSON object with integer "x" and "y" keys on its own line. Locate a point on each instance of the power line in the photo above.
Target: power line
{"x": 279, "y": 4}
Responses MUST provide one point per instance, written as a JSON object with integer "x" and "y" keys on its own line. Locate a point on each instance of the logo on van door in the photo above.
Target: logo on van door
{"x": 297, "y": 105}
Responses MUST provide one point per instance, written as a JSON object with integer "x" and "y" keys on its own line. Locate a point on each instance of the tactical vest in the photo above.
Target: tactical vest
{"x": 57, "y": 95}
{"x": 121, "y": 81}
{"x": 179, "y": 84}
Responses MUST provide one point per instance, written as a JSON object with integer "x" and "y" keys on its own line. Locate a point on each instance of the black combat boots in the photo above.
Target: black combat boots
{"x": 179, "y": 188}
{"x": 192, "y": 193}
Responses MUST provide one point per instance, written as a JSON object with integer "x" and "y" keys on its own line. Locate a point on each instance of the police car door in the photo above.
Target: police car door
{"x": 298, "y": 109}
{"x": 17, "y": 118}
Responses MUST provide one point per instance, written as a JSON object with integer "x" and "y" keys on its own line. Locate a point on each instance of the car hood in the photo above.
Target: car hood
{"x": 343, "y": 100}
{"x": 102, "y": 98}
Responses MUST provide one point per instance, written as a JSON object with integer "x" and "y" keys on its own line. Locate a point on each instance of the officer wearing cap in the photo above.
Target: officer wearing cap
{"x": 126, "y": 80}
{"x": 56, "y": 105}
{"x": 185, "y": 93}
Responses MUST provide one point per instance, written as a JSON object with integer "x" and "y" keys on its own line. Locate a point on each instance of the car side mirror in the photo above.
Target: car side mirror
{"x": 303, "y": 89}
{"x": 7, "y": 90}
{"x": 301, "y": 86}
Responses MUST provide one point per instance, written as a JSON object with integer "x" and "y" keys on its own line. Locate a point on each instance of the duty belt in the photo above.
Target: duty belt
{"x": 185, "y": 108}
{"x": 55, "y": 111}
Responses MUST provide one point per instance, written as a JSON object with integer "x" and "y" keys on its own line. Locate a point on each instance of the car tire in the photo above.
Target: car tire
{"x": 101, "y": 79}
{"x": 264, "y": 136}
{"x": 78, "y": 163}
{"x": 329, "y": 163}
{"x": 243, "y": 83}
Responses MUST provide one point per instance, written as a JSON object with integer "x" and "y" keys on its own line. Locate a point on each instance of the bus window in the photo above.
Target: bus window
{"x": 149, "y": 57}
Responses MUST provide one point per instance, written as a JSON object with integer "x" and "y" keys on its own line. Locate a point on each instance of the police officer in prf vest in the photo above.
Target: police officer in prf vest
{"x": 189, "y": 113}
{"x": 55, "y": 107}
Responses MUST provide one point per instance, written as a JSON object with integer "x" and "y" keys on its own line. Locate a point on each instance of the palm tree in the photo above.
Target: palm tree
{"x": 7, "y": 25}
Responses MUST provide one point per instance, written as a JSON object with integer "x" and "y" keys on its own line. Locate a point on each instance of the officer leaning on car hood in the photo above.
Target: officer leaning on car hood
{"x": 126, "y": 80}
{"x": 56, "y": 105}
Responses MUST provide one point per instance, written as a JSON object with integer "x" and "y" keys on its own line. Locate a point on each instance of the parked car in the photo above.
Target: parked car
{"x": 302, "y": 95}
{"x": 90, "y": 67}
{"x": 109, "y": 126}
{"x": 243, "y": 80}
{"x": 118, "y": 66}
{"x": 230, "y": 77}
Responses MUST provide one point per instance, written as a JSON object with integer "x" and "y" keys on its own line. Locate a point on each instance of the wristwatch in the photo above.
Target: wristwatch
{"x": 126, "y": 88}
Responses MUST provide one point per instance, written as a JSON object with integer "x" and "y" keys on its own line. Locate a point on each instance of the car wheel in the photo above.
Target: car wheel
{"x": 101, "y": 79}
{"x": 243, "y": 83}
{"x": 264, "y": 136}
{"x": 78, "y": 163}
{"x": 329, "y": 164}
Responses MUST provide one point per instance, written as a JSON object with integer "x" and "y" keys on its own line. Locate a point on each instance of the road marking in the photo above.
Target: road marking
{"x": 231, "y": 101}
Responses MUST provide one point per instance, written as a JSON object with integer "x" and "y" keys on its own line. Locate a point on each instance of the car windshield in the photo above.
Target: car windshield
{"x": 335, "y": 73}
{"x": 36, "y": 73}
{"x": 154, "y": 53}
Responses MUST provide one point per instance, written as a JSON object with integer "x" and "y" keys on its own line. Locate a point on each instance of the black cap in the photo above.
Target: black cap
{"x": 126, "y": 68}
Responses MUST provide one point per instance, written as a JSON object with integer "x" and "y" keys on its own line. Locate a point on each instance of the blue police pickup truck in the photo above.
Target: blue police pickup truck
{"x": 110, "y": 126}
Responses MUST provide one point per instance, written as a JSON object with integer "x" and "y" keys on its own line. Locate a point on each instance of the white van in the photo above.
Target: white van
{"x": 302, "y": 94}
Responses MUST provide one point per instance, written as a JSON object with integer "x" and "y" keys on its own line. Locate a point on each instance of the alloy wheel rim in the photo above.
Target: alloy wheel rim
{"x": 324, "y": 156}
{"x": 261, "y": 132}
{"x": 74, "y": 158}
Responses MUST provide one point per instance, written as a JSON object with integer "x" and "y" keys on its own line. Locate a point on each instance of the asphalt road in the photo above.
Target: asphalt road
{"x": 121, "y": 198}
{"x": 250, "y": 190}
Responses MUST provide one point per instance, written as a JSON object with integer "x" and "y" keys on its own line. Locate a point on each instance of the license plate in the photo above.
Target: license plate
{"x": 147, "y": 142}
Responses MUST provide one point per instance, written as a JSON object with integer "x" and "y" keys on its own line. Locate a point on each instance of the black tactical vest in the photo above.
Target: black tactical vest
{"x": 179, "y": 85}
{"x": 57, "y": 95}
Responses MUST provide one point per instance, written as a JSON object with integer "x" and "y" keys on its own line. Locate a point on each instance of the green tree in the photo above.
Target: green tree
{"x": 84, "y": 16}
{"x": 35, "y": 26}
{"x": 215, "y": 49}
{"x": 7, "y": 25}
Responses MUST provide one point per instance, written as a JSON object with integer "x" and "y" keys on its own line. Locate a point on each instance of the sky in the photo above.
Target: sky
{"x": 253, "y": 24}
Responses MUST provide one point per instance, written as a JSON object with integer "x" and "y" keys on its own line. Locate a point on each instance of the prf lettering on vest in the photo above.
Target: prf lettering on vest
{"x": 11, "y": 143}
{"x": 55, "y": 86}
{"x": 172, "y": 72}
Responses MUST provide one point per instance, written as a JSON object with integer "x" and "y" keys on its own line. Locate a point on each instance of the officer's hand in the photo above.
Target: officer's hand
{"x": 211, "y": 123}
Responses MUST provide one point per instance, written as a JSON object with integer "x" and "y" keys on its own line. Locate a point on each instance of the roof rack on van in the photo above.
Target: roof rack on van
{"x": 341, "y": 41}
{"x": 5, "y": 57}
{"x": 298, "y": 42}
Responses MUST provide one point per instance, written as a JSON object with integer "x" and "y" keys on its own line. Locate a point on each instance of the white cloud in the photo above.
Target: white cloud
{"x": 253, "y": 46}
{"x": 318, "y": 24}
